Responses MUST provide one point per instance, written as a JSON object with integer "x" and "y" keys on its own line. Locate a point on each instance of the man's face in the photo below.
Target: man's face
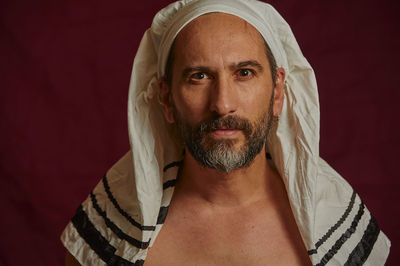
{"x": 221, "y": 91}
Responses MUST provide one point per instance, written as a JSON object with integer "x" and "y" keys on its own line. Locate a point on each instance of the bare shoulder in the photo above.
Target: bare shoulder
{"x": 70, "y": 260}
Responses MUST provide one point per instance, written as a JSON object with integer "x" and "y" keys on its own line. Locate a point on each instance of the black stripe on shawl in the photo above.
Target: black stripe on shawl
{"x": 115, "y": 228}
{"x": 361, "y": 252}
{"x": 139, "y": 263}
{"x": 335, "y": 226}
{"x": 346, "y": 235}
{"x": 173, "y": 164}
{"x": 169, "y": 183}
{"x": 121, "y": 211}
{"x": 162, "y": 214}
{"x": 97, "y": 242}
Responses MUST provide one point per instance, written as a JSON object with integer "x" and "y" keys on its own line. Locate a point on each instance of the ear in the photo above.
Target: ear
{"x": 166, "y": 100}
{"x": 279, "y": 91}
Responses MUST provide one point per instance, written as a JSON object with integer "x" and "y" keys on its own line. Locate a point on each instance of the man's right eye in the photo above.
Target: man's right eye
{"x": 198, "y": 76}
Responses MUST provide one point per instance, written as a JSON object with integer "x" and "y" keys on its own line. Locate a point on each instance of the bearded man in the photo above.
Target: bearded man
{"x": 225, "y": 82}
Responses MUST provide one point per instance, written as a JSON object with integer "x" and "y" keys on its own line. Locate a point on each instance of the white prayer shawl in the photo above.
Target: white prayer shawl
{"x": 122, "y": 216}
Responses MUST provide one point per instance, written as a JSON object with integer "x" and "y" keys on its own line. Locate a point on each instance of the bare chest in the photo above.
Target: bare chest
{"x": 228, "y": 241}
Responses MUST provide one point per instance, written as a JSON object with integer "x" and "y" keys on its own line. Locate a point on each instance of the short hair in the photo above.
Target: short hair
{"x": 170, "y": 63}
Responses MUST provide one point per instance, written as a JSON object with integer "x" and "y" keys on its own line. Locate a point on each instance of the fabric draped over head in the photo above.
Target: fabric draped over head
{"x": 123, "y": 214}
{"x": 293, "y": 145}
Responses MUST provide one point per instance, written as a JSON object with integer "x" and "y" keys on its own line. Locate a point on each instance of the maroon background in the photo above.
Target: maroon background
{"x": 64, "y": 74}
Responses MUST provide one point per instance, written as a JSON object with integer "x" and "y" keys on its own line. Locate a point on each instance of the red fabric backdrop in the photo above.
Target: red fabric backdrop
{"x": 64, "y": 75}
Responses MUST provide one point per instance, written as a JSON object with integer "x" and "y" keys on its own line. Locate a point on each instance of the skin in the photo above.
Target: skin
{"x": 242, "y": 217}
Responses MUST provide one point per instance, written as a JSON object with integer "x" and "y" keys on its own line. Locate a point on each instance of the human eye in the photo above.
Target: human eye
{"x": 198, "y": 77}
{"x": 244, "y": 74}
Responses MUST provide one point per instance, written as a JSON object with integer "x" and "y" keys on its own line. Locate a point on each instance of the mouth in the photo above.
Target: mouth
{"x": 225, "y": 132}
{"x": 231, "y": 127}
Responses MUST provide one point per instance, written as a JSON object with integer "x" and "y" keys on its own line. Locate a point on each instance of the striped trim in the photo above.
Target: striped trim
{"x": 162, "y": 214}
{"x": 169, "y": 183}
{"x": 134, "y": 242}
{"x": 173, "y": 164}
{"x": 346, "y": 235}
{"x": 361, "y": 252}
{"x": 97, "y": 242}
{"x": 172, "y": 182}
{"x": 121, "y": 211}
{"x": 336, "y": 226}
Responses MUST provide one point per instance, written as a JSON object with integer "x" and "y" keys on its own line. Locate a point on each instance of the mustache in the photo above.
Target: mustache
{"x": 229, "y": 122}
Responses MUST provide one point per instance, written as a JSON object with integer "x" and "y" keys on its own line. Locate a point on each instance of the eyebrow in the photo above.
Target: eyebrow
{"x": 247, "y": 63}
{"x": 252, "y": 63}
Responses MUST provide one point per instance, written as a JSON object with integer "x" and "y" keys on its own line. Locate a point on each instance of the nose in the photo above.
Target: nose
{"x": 223, "y": 97}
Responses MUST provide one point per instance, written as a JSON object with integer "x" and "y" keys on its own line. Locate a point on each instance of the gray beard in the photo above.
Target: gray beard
{"x": 221, "y": 154}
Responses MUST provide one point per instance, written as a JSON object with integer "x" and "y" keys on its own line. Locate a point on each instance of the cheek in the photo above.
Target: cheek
{"x": 191, "y": 102}
{"x": 255, "y": 98}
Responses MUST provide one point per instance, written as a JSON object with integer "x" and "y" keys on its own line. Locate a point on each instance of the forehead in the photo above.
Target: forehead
{"x": 216, "y": 32}
{"x": 216, "y": 21}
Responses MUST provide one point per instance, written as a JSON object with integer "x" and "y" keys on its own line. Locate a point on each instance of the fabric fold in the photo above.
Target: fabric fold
{"x": 336, "y": 228}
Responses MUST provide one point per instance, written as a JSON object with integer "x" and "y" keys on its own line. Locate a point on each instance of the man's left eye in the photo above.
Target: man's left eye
{"x": 244, "y": 73}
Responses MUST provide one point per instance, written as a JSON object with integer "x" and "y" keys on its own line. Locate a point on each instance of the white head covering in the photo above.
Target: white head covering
{"x": 299, "y": 121}
{"x": 322, "y": 202}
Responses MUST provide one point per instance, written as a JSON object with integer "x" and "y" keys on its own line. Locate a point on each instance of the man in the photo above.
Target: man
{"x": 249, "y": 189}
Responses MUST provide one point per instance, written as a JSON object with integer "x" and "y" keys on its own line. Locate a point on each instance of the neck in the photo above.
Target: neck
{"x": 237, "y": 188}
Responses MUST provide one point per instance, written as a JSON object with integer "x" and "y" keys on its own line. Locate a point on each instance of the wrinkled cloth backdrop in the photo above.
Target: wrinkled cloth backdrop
{"x": 65, "y": 69}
